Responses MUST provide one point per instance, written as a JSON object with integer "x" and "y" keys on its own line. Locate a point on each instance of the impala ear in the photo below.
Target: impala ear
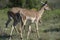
{"x": 42, "y": 2}
{"x": 45, "y": 2}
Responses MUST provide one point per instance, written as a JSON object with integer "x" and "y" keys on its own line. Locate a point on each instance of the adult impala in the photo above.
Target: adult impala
{"x": 34, "y": 16}
{"x": 25, "y": 15}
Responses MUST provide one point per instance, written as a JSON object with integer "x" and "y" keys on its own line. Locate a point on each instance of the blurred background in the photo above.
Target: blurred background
{"x": 49, "y": 29}
{"x": 28, "y": 3}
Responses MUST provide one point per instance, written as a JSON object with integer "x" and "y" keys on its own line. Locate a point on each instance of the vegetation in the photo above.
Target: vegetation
{"x": 28, "y": 3}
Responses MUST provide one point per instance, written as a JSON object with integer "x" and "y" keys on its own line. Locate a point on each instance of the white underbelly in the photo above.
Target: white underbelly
{"x": 31, "y": 18}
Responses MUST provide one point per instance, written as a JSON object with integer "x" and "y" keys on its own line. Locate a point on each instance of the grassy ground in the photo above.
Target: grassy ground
{"x": 49, "y": 29}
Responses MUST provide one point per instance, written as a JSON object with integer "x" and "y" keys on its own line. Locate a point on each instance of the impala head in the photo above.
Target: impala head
{"x": 45, "y": 6}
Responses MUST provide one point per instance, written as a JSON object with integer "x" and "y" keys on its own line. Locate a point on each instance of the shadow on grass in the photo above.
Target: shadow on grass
{"x": 52, "y": 30}
{"x": 4, "y": 36}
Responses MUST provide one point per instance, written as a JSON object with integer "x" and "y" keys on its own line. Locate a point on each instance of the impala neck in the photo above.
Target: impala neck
{"x": 41, "y": 11}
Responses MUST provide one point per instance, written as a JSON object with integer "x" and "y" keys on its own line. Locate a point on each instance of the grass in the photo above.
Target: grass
{"x": 48, "y": 29}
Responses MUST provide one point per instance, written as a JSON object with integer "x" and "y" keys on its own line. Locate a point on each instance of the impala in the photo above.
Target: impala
{"x": 23, "y": 15}
{"x": 34, "y": 16}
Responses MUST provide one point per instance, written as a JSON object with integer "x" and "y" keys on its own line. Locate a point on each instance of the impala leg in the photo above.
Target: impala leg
{"x": 12, "y": 30}
{"x": 16, "y": 29}
{"x": 37, "y": 29}
{"x": 13, "y": 27}
{"x": 24, "y": 23}
{"x": 20, "y": 31}
{"x": 29, "y": 32}
{"x": 8, "y": 21}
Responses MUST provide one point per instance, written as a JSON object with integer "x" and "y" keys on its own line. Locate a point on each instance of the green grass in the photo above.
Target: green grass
{"x": 50, "y": 20}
